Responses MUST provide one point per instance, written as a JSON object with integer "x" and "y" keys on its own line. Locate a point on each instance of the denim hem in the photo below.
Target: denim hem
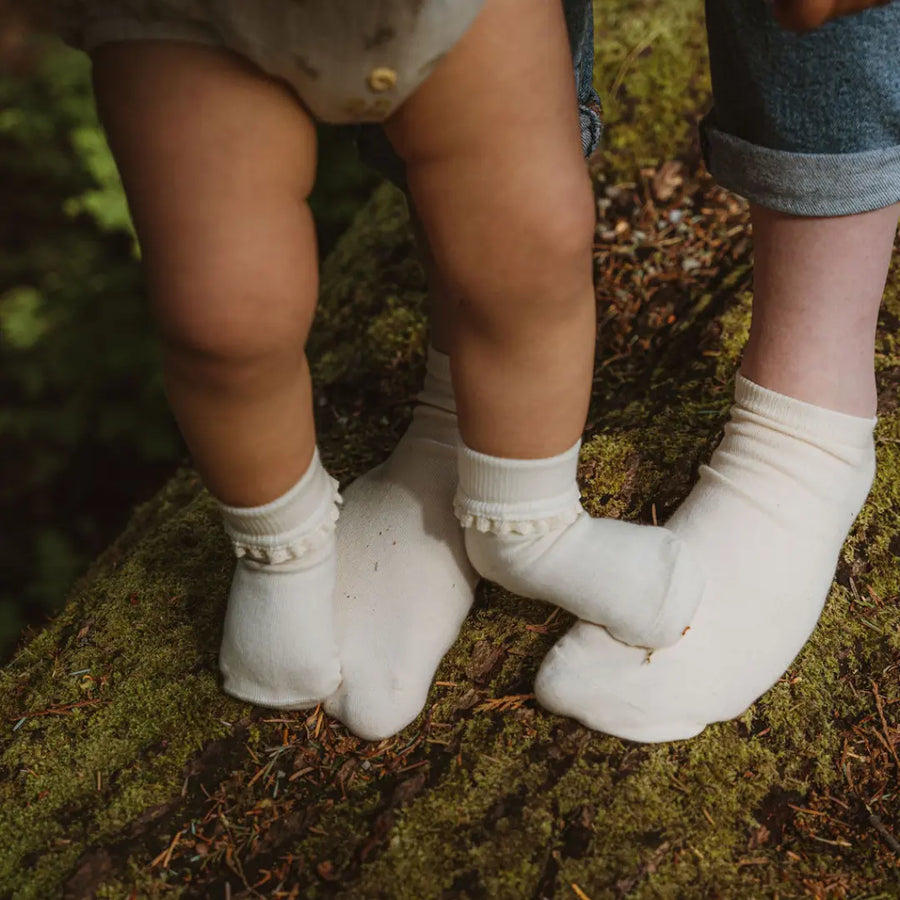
{"x": 803, "y": 184}
{"x": 591, "y": 117}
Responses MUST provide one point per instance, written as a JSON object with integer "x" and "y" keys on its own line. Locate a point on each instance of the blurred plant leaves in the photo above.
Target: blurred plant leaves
{"x": 23, "y": 318}
{"x": 106, "y": 204}
{"x": 84, "y": 427}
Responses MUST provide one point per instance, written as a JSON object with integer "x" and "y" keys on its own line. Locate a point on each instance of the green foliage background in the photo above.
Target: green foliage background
{"x": 85, "y": 432}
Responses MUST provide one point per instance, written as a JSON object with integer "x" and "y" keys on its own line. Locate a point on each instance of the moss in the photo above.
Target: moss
{"x": 137, "y": 647}
{"x": 372, "y": 279}
{"x": 652, "y": 75}
{"x": 399, "y": 334}
{"x": 735, "y": 329}
{"x": 610, "y": 470}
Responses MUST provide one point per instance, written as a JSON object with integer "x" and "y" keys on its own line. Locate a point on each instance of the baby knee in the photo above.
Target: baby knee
{"x": 561, "y": 219}
{"x": 535, "y": 256}
{"x": 232, "y": 330}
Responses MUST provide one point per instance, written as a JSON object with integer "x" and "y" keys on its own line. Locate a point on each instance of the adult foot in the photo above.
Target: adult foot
{"x": 766, "y": 520}
{"x": 404, "y": 585}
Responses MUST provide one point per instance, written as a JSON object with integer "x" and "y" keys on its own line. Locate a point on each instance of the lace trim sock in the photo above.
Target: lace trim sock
{"x": 766, "y": 520}
{"x": 527, "y": 531}
{"x": 278, "y": 647}
{"x": 404, "y": 584}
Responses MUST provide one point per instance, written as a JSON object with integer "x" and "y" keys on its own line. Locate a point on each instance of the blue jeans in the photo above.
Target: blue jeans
{"x": 377, "y": 152}
{"x": 807, "y": 124}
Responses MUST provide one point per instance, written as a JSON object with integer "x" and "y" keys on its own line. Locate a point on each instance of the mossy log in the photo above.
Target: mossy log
{"x": 127, "y": 773}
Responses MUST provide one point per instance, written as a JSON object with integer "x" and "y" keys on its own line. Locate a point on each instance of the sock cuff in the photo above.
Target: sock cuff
{"x": 801, "y": 418}
{"x": 301, "y": 520}
{"x": 521, "y": 496}
{"x": 437, "y": 391}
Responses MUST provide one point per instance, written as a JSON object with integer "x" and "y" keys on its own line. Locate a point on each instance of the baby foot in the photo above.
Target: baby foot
{"x": 767, "y": 520}
{"x": 278, "y": 647}
{"x": 527, "y": 531}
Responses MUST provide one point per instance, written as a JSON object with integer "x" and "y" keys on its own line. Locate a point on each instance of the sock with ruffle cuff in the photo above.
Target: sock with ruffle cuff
{"x": 527, "y": 531}
{"x": 278, "y": 647}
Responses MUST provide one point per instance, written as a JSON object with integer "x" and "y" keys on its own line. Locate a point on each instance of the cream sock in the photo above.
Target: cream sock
{"x": 527, "y": 531}
{"x": 278, "y": 648}
{"x": 767, "y": 520}
{"x": 404, "y": 585}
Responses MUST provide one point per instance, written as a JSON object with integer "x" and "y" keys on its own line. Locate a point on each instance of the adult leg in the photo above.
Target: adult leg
{"x": 217, "y": 161}
{"x": 818, "y": 284}
{"x": 771, "y": 511}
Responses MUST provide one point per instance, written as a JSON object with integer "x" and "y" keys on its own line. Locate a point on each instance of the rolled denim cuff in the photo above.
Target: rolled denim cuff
{"x": 580, "y": 25}
{"x": 803, "y": 184}
{"x": 591, "y": 118}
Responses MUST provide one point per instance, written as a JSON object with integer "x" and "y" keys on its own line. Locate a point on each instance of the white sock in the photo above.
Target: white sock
{"x": 527, "y": 531}
{"x": 278, "y": 648}
{"x": 404, "y": 585}
{"x": 767, "y": 520}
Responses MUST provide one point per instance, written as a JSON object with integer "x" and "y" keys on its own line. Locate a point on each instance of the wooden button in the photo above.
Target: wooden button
{"x": 382, "y": 79}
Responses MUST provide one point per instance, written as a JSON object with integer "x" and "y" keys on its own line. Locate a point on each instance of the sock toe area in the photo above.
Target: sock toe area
{"x": 390, "y": 711}
{"x": 260, "y": 695}
{"x": 578, "y": 679}
{"x": 682, "y": 583}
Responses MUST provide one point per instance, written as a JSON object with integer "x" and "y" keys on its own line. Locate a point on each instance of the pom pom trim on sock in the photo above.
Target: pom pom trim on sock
{"x": 289, "y": 548}
{"x": 502, "y": 526}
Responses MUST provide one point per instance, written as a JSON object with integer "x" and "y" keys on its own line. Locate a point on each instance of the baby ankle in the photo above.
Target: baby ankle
{"x": 517, "y": 496}
{"x": 292, "y": 530}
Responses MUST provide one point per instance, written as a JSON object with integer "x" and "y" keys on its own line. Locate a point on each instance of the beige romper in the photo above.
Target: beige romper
{"x": 347, "y": 60}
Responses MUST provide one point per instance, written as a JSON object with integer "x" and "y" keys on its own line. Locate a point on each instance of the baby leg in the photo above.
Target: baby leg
{"x": 217, "y": 162}
{"x": 405, "y": 584}
{"x": 506, "y": 203}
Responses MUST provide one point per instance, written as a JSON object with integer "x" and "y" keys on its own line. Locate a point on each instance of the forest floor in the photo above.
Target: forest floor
{"x": 126, "y": 773}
